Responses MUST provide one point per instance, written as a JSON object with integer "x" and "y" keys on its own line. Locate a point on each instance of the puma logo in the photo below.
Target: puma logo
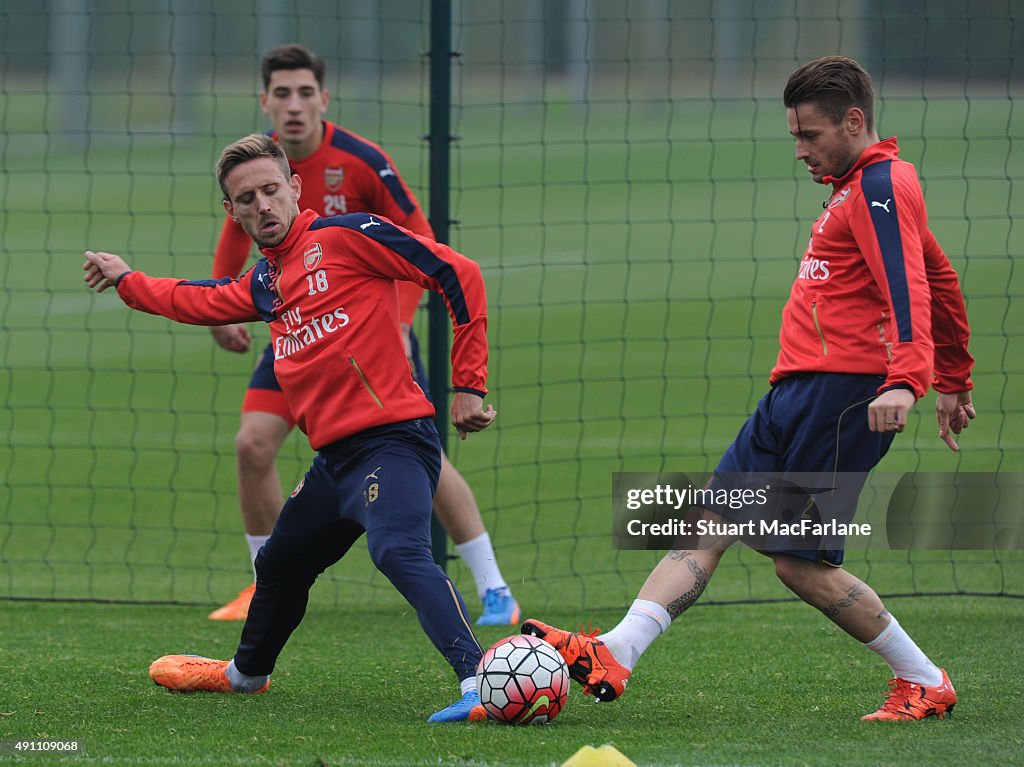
{"x": 883, "y": 205}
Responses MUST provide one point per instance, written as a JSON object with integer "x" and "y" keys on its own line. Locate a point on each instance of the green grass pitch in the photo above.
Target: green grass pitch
{"x": 636, "y": 270}
{"x": 742, "y": 685}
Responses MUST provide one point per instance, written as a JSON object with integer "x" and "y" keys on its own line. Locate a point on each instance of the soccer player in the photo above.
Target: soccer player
{"x": 341, "y": 173}
{"x": 327, "y": 289}
{"x": 874, "y": 317}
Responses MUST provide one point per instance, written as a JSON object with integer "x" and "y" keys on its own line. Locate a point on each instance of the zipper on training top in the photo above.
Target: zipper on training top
{"x": 366, "y": 383}
{"x": 881, "y": 336}
{"x": 817, "y": 325}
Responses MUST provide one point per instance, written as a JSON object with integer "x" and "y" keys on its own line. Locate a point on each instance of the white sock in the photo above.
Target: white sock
{"x": 243, "y": 682}
{"x": 468, "y": 685}
{"x": 904, "y": 657}
{"x": 644, "y": 623}
{"x": 255, "y": 542}
{"x": 478, "y": 554}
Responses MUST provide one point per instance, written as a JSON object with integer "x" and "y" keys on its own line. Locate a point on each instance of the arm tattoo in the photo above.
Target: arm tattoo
{"x": 854, "y": 593}
{"x": 700, "y": 581}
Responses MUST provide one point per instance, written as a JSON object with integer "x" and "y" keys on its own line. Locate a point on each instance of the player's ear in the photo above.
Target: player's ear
{"x": 295, "y": 182}
{"x": 324, "y": 98}
{"x": 854, "y": 121}
{"x": 230, "y": 210}
{"x": 263, "y": 101}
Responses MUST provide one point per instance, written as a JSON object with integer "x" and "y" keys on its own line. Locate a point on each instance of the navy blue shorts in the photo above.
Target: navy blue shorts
{"x": 380, "y": 483}
{"x": 264, "y": 393}
{"x": 263, "y": 376}
{"x": 811, "y": 427}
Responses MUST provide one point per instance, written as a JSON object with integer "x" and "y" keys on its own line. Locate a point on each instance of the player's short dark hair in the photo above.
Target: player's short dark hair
{"x": 291, "y": 56}
{"x": 834, "y": 84}
{"x": 251, "y": 147}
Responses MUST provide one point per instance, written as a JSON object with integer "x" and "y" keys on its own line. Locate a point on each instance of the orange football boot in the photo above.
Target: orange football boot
{"x": 590, "y": 662}
{"x": 192, "y": 673}
{"x": 237, "y": 609}
{"x": 909, "y": 700}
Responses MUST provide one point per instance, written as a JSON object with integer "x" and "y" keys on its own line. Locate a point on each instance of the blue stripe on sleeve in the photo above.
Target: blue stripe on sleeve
{"x": 262, "y": 291}
{"x": 372, "y": 156}
{"x": 262, "y": 299}
{"x": 876, "y": 183}
{"x": 211, "y": 283}
{"x": 409, "y": 248}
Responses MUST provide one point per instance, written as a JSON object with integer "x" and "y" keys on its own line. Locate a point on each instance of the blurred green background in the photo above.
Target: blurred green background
{"x": 623, "y": 174}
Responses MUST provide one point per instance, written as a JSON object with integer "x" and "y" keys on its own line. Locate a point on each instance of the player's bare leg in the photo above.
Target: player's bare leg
{"x": 257, "y": 443}
{"x": 679, "y": 579}
{"x": 604, "y": 665}
{"x": 455, "y": 505}
{"x": 457, "y": 510}
{"x": 259, "y": 487}
{"x": 844, "y": 599}
{"x": 674, "y": 585}
{"x": 919, "y": 688}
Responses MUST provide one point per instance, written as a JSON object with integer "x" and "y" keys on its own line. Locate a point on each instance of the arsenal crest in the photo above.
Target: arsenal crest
{"x": 333, "y": 178}
{"x": 839, "y": 199}
{"x": 311, "y": 256}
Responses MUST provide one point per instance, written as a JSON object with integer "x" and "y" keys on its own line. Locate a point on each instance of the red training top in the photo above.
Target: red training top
{"x": 328, "y": 293}
{"x": 875, "y": 293}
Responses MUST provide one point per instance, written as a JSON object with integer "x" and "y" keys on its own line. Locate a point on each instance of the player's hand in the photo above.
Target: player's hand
{"x": 888, "y": 412}
{"x": 234, "y": 338}
{"x": 103, "y": 269}
{"x": 954, "y": 413}
{"x": 468, "y": 414}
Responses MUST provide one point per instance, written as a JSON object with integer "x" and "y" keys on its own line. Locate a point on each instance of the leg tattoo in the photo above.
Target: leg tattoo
{"x": 854, "y": 593}
{"x": 700, "y": 581}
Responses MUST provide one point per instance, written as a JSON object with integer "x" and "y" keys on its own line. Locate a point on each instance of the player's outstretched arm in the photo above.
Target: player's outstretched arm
{"x": 204, "y": 302}
{"x": 954, "y": 413}
{"x": 469, "y": 415}
{"x": 102, "y": 270}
